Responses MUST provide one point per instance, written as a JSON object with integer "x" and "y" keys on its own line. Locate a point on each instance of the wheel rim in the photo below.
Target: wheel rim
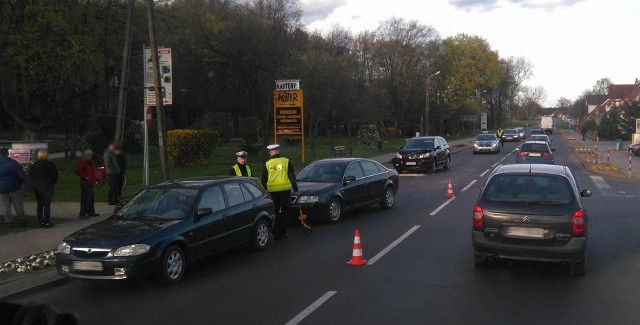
{"x": 262, "y": 234}
{"x": 334, "y": 210}
{"x": 389, "y": 197}
{"x": 174, "y": 265}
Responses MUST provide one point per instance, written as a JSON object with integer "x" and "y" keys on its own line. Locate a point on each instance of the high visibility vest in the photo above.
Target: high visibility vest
{"x": 236, "y": 168}
{"x": 500, "y": 133}
{"x": 278, "y": 175}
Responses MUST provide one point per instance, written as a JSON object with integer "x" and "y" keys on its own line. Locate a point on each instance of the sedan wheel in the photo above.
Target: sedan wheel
{"x": 261, "y": 235}
{"x": 389, "y": 198}
{"x": 173, "y": 265}
{"x": 334, "y": 210}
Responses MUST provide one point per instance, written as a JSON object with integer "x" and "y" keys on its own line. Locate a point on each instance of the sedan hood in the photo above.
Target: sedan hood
{"x": 115, "y": 232}
{"x": 484, "y": 143}
{"x": 307, "y": 188}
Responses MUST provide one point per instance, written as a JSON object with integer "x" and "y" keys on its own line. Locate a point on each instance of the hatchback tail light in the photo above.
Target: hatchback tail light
{"x": 478, "y": 218}
{"x": 547, "y": 155}
{"x": 578, "y": 223}
{"x": 522, "y": 153}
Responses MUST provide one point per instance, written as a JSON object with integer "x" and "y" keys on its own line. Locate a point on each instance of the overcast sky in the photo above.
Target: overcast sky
{"x": 572, "y": 43}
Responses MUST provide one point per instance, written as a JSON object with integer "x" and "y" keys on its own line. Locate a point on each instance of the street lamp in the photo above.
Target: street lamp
{"x": 426, "y": 104}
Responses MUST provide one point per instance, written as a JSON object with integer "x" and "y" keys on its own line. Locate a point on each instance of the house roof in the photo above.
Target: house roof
{"x": 596, "y": 99}
{"x": 621, "y": 91}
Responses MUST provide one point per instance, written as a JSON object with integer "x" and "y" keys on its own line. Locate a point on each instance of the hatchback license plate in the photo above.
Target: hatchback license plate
{"x": 532, "y": 154}
{"x": 525, "y": 232}
{"x": 411, "y": 163}
{"x": 87, "y": 266}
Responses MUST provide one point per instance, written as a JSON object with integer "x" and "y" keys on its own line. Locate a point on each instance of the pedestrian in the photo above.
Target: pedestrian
{"x": 584, "y": 132}
{"x": 11, "y": 179}
{"x": 240, "y": 168}
{"x": 499, "y": 134}
{"x": 122, "y": 163}
{"x": 86, "y": 170}
{"x": 43, "y": 175}
{"x": 112, "y": 172}
{"x": 279, "y": 178}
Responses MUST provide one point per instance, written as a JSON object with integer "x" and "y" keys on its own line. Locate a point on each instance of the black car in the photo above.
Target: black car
{"x": 164, "y": 228}
{"x": 510, "y": 135}
{"x": 531, "y": 212}
{"x": 330, "y": 187}
{"x": 423, "y": 154}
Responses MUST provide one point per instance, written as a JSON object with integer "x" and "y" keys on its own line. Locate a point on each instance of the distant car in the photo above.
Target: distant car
{"x": 531, "y": 212}
{"x": 330, "y": 187}
{"x": 423, "y": 154}
{"x": 535, "y": 152}
{"x": 486, "y": 142}
{"x": 168, "y": 226}
{"x": 521, "y": 132}
{"x": 537, "y": 131}
{"x": 633, "y": 149}
{"x": 541, "y": 137}
{"x": 510, "y": 135}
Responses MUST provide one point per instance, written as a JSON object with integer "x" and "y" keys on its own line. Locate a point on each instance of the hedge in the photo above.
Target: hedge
{"x": 188, "y": 148}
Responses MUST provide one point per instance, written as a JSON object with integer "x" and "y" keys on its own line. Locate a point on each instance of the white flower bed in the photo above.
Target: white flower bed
{"x": 31, "y": 263}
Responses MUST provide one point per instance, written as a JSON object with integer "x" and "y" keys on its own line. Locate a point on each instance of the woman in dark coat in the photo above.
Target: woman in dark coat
{"x": 43, "y": 175}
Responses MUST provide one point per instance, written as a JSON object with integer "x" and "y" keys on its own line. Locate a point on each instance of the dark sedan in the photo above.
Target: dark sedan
{"x": 330, "y": 187}
{"x": 531, "y": 212}
{"x": 511, "y": 135}
{"x": 164, "y": 228}
{"x": 423, "y": 154}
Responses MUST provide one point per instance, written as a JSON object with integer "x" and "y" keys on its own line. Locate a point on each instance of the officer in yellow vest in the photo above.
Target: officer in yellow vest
{"x": 240, "y": 168}
{"x": 279, "y": 178}
{"x": 499, "y": 134}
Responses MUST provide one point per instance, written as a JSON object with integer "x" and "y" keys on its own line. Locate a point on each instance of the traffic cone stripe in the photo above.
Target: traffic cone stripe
{"x": 357, "y": 252}
{"x": 356, "y": 240}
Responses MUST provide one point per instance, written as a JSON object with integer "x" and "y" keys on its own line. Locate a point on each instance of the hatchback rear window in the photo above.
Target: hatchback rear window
{"x": 534, "y": 147}
{"x": 529, "y": 189}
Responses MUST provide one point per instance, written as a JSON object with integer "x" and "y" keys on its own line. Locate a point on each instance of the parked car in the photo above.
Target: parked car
{"x": 168, "y": 226}
{"x": 535, "y": 152}
{"x": 486, "y": 142}
{"x": 423, "y": 154}
{"x": 537, "y": 131}
{"x": 532, "y": 212}
{"x": 633, "y": 149}
{"x": 330, "y": 187}
{"x": 510, "y": 135}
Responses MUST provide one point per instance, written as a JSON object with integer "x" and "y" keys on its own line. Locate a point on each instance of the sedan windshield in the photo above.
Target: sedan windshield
{"x": 160, "y": 203}
{"x": 486, "y": 137}
{"x": 321, "y": 173}
{"x": 529, "y": 189}
{"x": 419, "y": 144}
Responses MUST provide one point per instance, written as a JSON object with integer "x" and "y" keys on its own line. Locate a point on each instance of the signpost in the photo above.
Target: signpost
{"x": 166, "y": 77}
{"x": 288, "y": 110}
{"x": 636, "y": 136}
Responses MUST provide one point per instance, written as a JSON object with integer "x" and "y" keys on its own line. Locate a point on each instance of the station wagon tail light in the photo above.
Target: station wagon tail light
{"x": 478, "y": 218}
{"x": 578, "y": 223}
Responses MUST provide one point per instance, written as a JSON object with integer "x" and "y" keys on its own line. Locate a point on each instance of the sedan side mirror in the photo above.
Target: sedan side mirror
{"x": 585, "y": 193}
{"x": 201, "y": 213}
{"x": 438, "y": 147}
{"x": 349, "y": 179}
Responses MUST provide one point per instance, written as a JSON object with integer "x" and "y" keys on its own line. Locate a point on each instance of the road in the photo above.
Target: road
{"x": 428, "y": 277}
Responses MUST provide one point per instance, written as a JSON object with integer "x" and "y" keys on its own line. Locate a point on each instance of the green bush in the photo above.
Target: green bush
{"x": 368, "y": 136}
{"x": 221, "y": 123}
{"x": 188, "y": 148}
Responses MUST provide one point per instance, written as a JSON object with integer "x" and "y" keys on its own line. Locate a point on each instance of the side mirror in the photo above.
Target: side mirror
{"x": 553, "y": 149}
{"x": 585, "y": 193}
{"x": 438, "y": 148}
{"x": 349, "y": 179}
{"x": 201, "y": 213}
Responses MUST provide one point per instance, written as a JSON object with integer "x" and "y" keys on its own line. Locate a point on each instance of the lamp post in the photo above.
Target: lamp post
{"x": 426, "y": 103}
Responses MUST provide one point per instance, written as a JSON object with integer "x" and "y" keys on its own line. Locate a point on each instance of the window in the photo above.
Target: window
{"x": 354, "y": 170}
{"x": 369, "y": 167}
{"x": 381, "y": 168}
{"x": 212, "y": 198}
{"x": 419, "y": 144}
{"x": 529, "y": 190}
{"x": 443, "y": 141}
{"x": 535, "y": 147}
{"x": 234, "y": 194}
{"x": 255, "y": 192}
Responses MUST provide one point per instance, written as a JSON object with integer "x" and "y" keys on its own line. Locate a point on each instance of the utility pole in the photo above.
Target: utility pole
{"x": 123, "y": 83}
{"x": 426, "y": 103}
{"x": 162, "y": 149}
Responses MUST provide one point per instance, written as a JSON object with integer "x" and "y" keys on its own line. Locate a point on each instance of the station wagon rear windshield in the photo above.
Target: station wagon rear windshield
{"x": 535, "y": 147}
{"x": 160, "y": 203}
{"x": 529, "y": 190}
{"x": 419, "y": 144}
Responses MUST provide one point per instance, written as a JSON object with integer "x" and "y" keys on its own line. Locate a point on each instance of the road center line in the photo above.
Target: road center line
{"x": 496, "y": 164}
{"x": 434, "y": 212}
{"x": 485, "y": 172}
{"x": 503, "y": 158}
{"x": 307, "y": 311}
{"x": 470, "y": 184}
{"x": 392, "y": 245}
{"x": 509, "y": 154}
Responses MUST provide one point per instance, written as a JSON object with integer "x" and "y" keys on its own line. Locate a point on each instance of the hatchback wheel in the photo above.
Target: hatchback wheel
{"x": 261, "y": 235}
{"x": 334, "y": 210}
{"x": 389, "y": 198}
{"x": 173, "y": 265}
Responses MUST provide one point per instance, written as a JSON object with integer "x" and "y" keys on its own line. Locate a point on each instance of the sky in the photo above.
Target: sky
{"x": 571, "y": 43}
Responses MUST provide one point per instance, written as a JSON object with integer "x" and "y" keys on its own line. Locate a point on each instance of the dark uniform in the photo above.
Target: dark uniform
{"x": 279, "y": 178}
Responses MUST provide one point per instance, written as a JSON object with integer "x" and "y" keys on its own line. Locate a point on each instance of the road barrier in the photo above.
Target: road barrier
{"x": 608, "y": 154}
{"x": 629, "y": 163}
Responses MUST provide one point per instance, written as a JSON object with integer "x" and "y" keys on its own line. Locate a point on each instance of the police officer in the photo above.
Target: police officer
{"x": 499, "y": 134}
{"x": 279, "y": 178}
{"x": 240, "y": 168}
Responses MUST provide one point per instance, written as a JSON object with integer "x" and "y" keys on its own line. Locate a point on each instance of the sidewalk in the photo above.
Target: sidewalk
{"x": 454, "y": 146}
{"x": 619, "y": 159}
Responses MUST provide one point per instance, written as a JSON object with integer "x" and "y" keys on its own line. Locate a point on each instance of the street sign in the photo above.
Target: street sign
{"x": 483, "y": 121}
{"x": 166, "y": 76}
{"x": 287, "y": 84}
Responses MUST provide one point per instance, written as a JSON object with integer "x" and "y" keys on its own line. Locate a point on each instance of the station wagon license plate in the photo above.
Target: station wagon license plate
{"x": 87, "y": 266}
{"x": 525, "y": 232}
{"x": 411, "y": 163}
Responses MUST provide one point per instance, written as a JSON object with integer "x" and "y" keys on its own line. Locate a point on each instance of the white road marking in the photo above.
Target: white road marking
{"x": 485, "y": 172}
{"x": 307, "y": 311}
{"x": 470, "y": 184}
{"x": 509, "y": 154}
{"x": 392, "y": 245}
{"x": 503, "y": 158}
{"x": 494, "y": 165}
{"x": 434, "y": 212}
{"x": 601, "y": 184}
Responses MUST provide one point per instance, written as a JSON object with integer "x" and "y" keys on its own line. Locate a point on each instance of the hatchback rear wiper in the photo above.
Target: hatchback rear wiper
{"x": 542, "y": 202}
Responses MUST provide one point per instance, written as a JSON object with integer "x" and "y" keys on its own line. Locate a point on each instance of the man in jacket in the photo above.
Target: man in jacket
{"x": 86, "y": 170}
{"x": 112, "y": 171}
{"x": 11, "y": 178}
{"x": 240, "y": 168}
{"x": 43, "y": 175}
{"x": 279, "y": 178}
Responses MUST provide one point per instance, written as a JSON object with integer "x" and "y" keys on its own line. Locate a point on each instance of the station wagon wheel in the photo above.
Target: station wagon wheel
{"x": 334, "y": 210}
{"x": 389, "y": 198}
{"x": 173, "y": 265}
{"x": 261, "y": 235}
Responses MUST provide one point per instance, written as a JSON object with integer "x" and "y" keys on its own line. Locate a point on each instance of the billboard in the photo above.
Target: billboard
{"x": 166, "y": 77}
{"x": 288, "y": 112}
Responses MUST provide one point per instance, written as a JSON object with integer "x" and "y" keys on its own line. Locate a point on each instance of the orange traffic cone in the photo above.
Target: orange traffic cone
{"x": 356, "y": 258}
{"x": 450, "y": 191}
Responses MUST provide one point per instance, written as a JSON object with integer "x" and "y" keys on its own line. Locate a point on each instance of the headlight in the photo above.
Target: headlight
{"x": 64, "y": 248}
{"x": 399, "y": 156}
{"x": 475, "y": 145}
{"x": 132, "y": 250}
{"x": 308, "y": 199}
{"x": 424, "y": 155}
{"x": 493, "y": 144}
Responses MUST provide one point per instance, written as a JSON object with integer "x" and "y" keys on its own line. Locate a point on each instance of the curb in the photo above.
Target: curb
{"x": 31, "y": 283}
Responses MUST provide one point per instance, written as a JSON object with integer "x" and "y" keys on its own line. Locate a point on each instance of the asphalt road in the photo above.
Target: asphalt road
{"x": 427, "y": 277}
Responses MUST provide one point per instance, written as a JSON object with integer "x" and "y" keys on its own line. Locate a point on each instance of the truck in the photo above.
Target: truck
{"x": 546, "y": 124}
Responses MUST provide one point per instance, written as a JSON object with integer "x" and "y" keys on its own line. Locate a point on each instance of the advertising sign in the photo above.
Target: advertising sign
{"x": 287, "y": 84}
{"x": 166, "y": 77}
{"x": 288, "y": 112}
{"x": 22, "y": 156}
